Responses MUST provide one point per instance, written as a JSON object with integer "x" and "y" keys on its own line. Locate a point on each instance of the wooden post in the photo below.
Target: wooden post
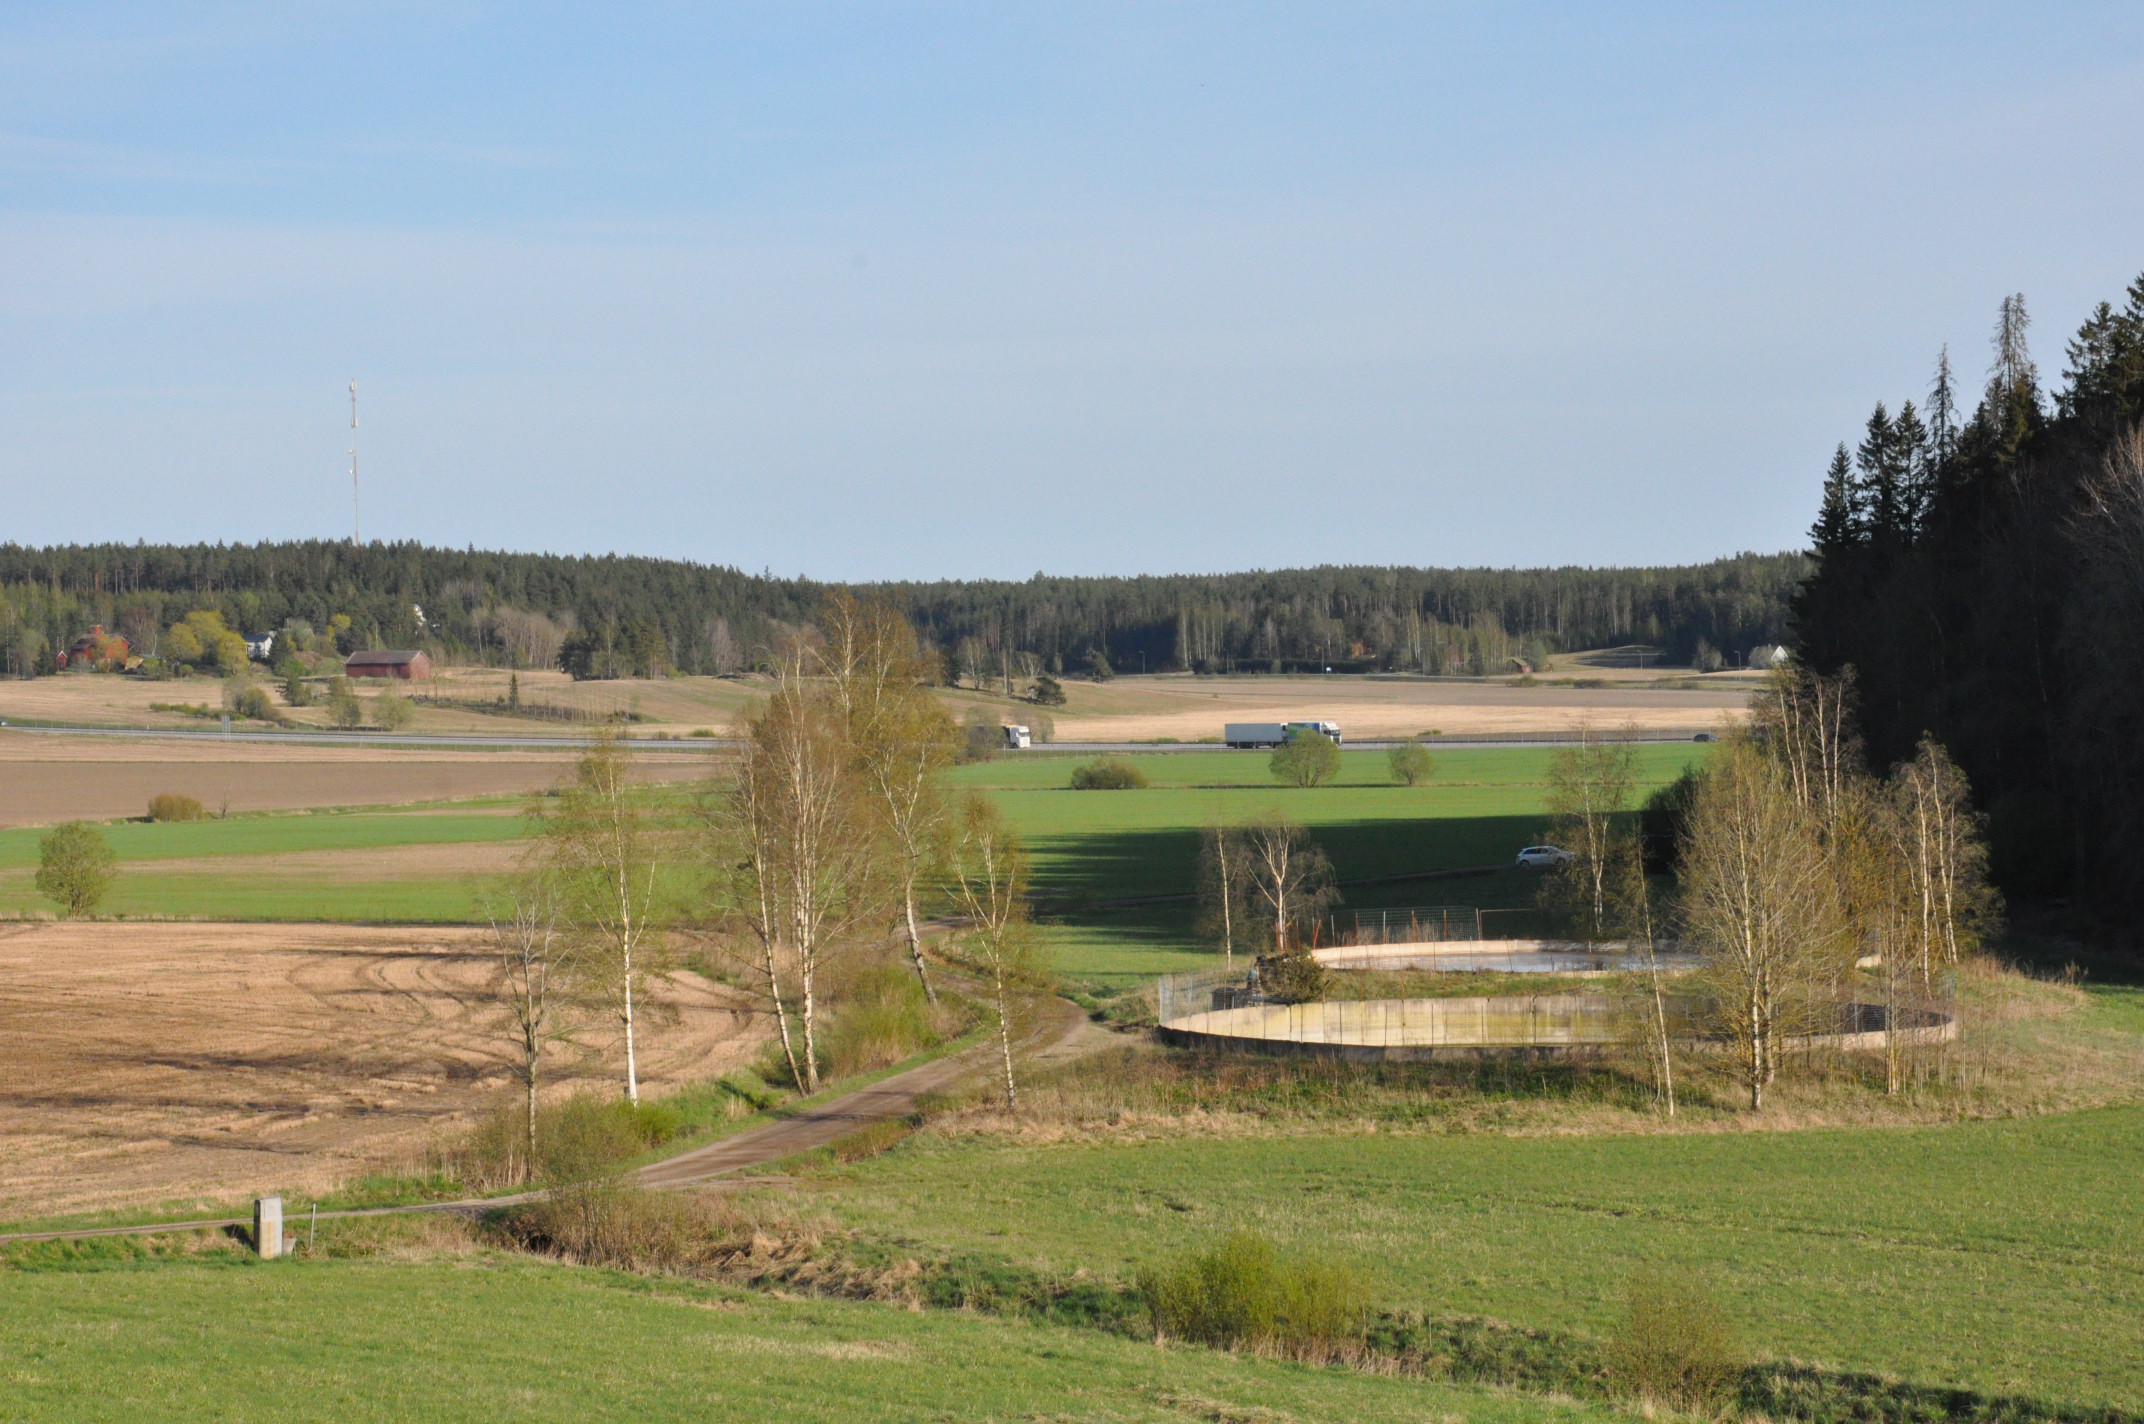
{"x": 268, "y": 1227}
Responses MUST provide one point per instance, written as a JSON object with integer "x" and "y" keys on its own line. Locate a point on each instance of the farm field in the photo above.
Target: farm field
{"x": 1479, "y": 808}
{"x": 1177, "y": 706}
{"x": 486, "y": 1338}
{"x": 44, "y": 779}
{"x": 1999, "y": 1255}
{"x": 153, "y": 1063}
{"x": 363, "y": 864}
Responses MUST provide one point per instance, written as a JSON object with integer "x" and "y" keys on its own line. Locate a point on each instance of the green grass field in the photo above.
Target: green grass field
{"x": 488, "y": 1339}
{"x": 2000, "y": 1255}
{"x": 1478, "y": 809}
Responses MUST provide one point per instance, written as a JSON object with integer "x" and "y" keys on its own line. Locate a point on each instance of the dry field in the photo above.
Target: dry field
{"x": 1191, "y": 708}
{"x": 44, "y": 778}
{"x": 1132, "y": 708}
{"x": 158, "y": 1063}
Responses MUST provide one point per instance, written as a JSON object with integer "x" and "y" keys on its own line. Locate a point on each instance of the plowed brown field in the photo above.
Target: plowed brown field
{"x": 44, "y": 779}
{"x": 163, "y": 1063}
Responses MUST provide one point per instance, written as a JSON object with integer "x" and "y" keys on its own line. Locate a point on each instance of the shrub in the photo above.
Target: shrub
{"x": 393, "y": 711}
{"x": 344, "y": 710}
{"x": 1109, "y": 773}
{"x": 255, "y": 704}
{"x": 1295, "y": 977}
{"x": 1671, "y": 1349}
{"x": 74, "y": 866}
{"x": 1411, "y": 763}
{"x": 880, "y": 1018}
{"x": 1305, "y": 759}
{"x": 1047, "y": 692}
{"x": 1240, "y": 1293}
{"x": 170, "y": 806}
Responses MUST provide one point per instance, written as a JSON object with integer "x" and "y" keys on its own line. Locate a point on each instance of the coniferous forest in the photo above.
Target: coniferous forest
{"x": 1981, "y": 571}
{"x": 615, "y": 616}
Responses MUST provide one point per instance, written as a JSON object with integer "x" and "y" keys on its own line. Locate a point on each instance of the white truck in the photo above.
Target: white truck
{"x": 1254, "y": 735}
{"x": 1018, "y": 738}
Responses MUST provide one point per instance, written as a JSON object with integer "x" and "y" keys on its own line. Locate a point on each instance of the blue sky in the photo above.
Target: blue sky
{"x": 939, "y": 291}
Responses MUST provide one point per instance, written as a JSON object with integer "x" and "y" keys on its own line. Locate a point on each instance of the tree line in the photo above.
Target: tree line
{"x": 614, "y": 616}
{"x": 1981, "y": 572}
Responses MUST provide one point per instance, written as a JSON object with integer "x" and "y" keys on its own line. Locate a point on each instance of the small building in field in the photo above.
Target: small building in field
{"x": 409, "y": 665}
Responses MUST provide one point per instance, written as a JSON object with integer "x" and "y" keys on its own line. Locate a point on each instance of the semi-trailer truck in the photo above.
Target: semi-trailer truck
{"x": 1253, "y": 735}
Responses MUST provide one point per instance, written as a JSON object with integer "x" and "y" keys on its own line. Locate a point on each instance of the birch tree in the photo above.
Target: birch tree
{"x": 534, "y": 968}
{"x": 603, "y": 845}
{"x": 1760, "y": 904}
{"x": 1588, "y": 795}
{"x": 902, "y": 741}
{"x": 988, "y": 881}
{"x": 805, "y": 872}
{"x": 1290, "y": 882}
{"x": 1224, "y": 875}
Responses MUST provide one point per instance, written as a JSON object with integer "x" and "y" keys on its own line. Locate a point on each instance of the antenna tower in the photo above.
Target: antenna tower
{"x": 353, "y": 464}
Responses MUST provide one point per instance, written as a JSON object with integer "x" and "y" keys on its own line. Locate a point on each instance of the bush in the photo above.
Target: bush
{"x": 880, "y": 1017}
{"x": 74, "y": 866}
{"x": 1411, "y": 763}
{"x": 255, "y": 704}
{"x": 1305, "y": 759}
{"x": 393, "y": 711}
{"x": 170, "y": 806}
{"x": 1109, "y": 773}
{"x": 345, "y": 711}
{"x": 1292, "y": 978}
{"x": 1242, "y": 1294}
{"x": 1671, "y": 1349}
{"x": 1047, "y": 692}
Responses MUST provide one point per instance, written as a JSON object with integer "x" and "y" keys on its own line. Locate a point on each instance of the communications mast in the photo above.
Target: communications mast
{"x": 353, "y": 465}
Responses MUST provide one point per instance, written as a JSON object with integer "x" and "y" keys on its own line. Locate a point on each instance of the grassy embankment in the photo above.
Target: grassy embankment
{"x": 488, "y": 1338}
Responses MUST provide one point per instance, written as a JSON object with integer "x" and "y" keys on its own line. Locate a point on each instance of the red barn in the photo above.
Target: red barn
{"x": 408, "y": 665}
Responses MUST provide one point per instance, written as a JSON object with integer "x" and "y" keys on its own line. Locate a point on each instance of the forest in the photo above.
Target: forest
{"x": 1981, "y": 574}
{"x": 614, "y": 615}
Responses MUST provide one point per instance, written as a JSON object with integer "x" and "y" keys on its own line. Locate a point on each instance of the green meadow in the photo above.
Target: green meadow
{"x": 1477, "y": 810}
{"x": 1999, "y": 1255}
{"x": 490, "y": 1338}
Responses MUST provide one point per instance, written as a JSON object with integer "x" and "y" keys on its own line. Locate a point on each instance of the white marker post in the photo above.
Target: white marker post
{"x": 268, "y": 1227}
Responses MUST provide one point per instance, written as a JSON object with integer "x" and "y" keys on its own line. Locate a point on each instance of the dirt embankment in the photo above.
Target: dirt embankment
{"x": 152, "y": 1063}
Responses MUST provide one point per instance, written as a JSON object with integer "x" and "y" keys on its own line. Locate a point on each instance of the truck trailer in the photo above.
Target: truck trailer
{"x": 1250, "y": 736}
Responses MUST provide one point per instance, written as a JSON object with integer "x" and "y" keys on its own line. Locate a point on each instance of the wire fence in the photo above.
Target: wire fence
{"x": 1418, "y": 924}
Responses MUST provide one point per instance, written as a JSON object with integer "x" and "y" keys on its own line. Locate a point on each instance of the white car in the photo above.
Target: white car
{"x": 1544, "y": 858}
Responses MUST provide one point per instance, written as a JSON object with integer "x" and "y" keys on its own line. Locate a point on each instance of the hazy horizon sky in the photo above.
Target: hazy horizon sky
{"x": 873, "y": 291}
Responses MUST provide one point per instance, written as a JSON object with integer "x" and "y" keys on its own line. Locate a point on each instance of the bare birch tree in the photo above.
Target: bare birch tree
{"x": 1946, "y": 858}
{"x": 1588, "y": 797}
{"x": 1224, "y": 875}
{"x": 988, "y": 880}
{"x": 805, "y": 866}
{"x": 902, "y": 741}
{"x": 1760, "y": 904}
{"x": 603, "y": 846}
{"x": 1290, "y": 882}
{"x": 534, "y": 965}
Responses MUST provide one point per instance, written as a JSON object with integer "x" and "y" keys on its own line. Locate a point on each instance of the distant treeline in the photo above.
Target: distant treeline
{"x": 1983, "y": 573}
{"x": 612, "y": 615}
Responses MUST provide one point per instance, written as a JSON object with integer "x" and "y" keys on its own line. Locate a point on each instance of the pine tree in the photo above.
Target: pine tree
{"x": 1942, "y": 413}
{"x": 1881, "y": 487}
{"x": 1836, "y": 529}
{"x": 1913, "y": 456}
